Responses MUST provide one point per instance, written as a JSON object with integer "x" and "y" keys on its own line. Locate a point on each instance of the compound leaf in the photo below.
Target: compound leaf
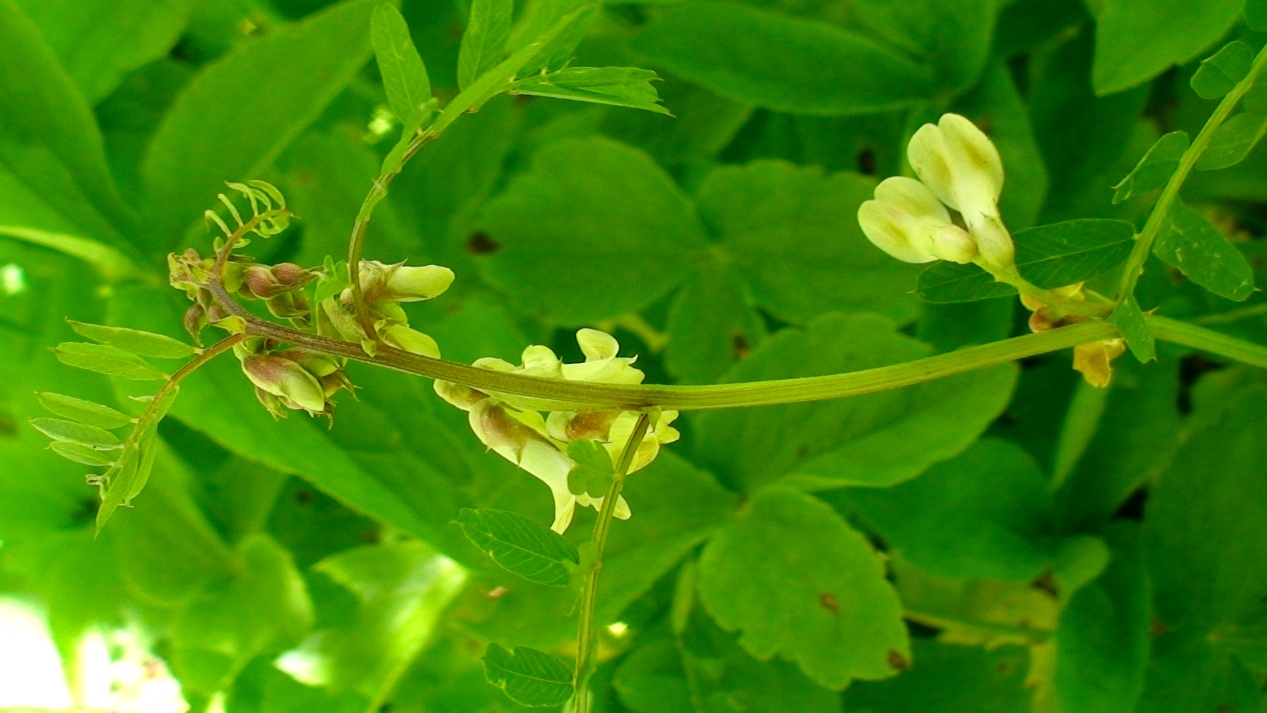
{"x": 521, "y": 545}
{"x": 618, "y": 86}
{"x": 404, "y": 75}
{"x": 484, "y": 42}
{"x": 1197, "y": 249}
{"x": 529, "y": 677}
{"x": 134, "y": 341}
{"x": 108, "y": 360}
{"x": 93, "y": 414}
{"x": 1155, "y": 168}
{"x": 1060, "y": 254}
{"x": 1217, "y": 75}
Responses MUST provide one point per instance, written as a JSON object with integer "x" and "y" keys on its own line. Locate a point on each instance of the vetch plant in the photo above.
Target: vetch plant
{"x": 882, "y": 526}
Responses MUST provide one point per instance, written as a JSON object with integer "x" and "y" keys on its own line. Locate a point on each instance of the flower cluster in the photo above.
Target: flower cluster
{"x": 295, "y": 379}
{"x": 383, "y": 288}
{"x": 959, "y": 169}
{"x": 279, "y": 286}
{"x": 519, "y": 431}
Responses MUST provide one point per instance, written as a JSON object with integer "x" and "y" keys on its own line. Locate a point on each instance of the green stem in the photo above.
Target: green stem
{"x": 589, "y": 594}
{"x": 1234, "y": 315}
{"x": 1063, "y": 305}
{"x": 1208, "y": 340}
{"x": 1161, "y": 211}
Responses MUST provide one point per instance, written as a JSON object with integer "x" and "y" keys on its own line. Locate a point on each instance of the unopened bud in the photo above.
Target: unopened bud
{"x": 583, "y": 425}
{"x": 413, "y": 284}
{"x": 287, "y": 380}
{"x": 953, "y": 243}
{"x": 903, "y": 220}
{"x": 291, "y": 275}
{"x": 410, "y": 340}
{"x": 195, "y": 321}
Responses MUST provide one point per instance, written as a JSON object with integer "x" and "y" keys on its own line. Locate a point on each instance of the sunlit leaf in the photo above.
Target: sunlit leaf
{"x": 76, "y": 409}
{"x": 404, "y": 76}
{"x": 1197, "y": 249}
{"x": 1155, "y": 168}
{"x": 105, "y": 359}
{"x": 134, "y": 341}
{"x": 73, "y": 432}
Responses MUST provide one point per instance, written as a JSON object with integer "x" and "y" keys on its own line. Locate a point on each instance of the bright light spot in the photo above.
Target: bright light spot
{"x": 618, "y": 628}
{"x": 382, "y": 123}
{"x": 30, "y": 667}
{"x": 12, "y": 279}
{"x": 117, "y": 673}
{"x": 306, "y": 663}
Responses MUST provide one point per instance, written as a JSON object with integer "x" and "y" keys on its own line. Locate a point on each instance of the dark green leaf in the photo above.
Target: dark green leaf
{"x": 484, "y": 42}
{"x": 951, "y": 37}
{"x": 1217, "y": 75}
{"x": 521, "y": 545}
{"x": 1060, "y": 254}
{"x": 529, "y": 677}
{"x": 1233, "y": 141}
{"x": 404, "y": 76}
{"x": 82, "y": 454}
{"x": 949, "y": 678}
{"x": 93, "y": 414}
{"x": 780, "y": 62}
{"x": 299, "y": 70}
{"x": 799, "y": 582}
{"x": 134, "y": 341}
{"x": 105, "y": 359}
{"x": 711, "y": 326}
{"x": 946, "y": 282}
{"x": 73, "y": 432}
{"x": 1256, "y": 15}
{"x": 1135, "y": 42}
{"x": 1197, "y": 249}
{"x": 594, "y": 230}
{"x": 594, "y": 470}
{"x": 1129, "y": 320}
{"x": 1155, "y": 169}
{"x": 618, "y": 86}
{"x": 559, "y": 26}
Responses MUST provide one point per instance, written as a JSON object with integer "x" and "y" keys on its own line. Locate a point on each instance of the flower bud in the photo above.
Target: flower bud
{"x": 464, "y": 397}
{"x": 410, "y": 340}
{"x": 908, "y": 222}
{"x": 271, "y": 403}
{"x": 959, "y": 164}
{"x": 1095, "y": 360}
{"x": 195, "y": 321}
{"x": 287, "y": 380}
{"x": 413, "y": 284}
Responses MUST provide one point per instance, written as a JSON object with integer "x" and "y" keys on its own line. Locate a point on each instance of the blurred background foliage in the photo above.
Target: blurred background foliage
{"x": 1062, "y": 548}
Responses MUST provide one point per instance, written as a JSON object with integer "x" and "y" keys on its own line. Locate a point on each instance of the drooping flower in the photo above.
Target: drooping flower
{"x": 908, "y": 222}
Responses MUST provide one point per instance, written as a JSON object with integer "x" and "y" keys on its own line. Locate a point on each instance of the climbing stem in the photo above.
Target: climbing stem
{"x": 1161, "y": 210}
{"x": 1191, "y": 335}
{"x": 589, "y": 587}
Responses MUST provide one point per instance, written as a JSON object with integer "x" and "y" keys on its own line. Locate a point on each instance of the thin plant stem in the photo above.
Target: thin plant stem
{"x": 1161, "y": 210}
{"x": 589, "y": 592}
{"x": 1208, "y": 340}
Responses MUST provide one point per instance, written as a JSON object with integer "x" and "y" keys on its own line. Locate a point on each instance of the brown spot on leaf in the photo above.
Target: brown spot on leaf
{"x": 1047, "y": 583}
{"x": 828, "y": 601}
{"x": 739, "y": 345}
{"x": 1225, "y": 708}
{"x": 371, "y": 537}
{"x": 1003, "y": 668}
{"x": 303, "y": 497}
{"x": 898, "y": 661}
{"x": 1157, "y": 627}
{"x": 480, "y": 243}
{"x": 866, "y": 161}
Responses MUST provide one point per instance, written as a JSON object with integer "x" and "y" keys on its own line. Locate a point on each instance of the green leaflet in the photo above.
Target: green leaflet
{"x": 617, "y": 86}
{"x": 875, "y": 440}
{"x": 711, "y": 326}
{"x": 83, "y": 411}
{"x": 134, "y": 341}
{"x": 1218, "y": 74}
{"x": 966, "y": 678}
{"x": 1138, "y": 335}
{"x": 1137, "y": 41}
{"x": 300, "y": 70}
{"x": 1060, "y": 254}
{"x": 781, "y": 63}
{"x": 1188, "y": 242}
{"x": 1155, "y": 169}
{"x": 1256, "y": 15}
{"x": 947, "y": 283}
{"x": 799, "y": 582}
{"x": 484, "y": 41}
{"x": 594, "y": 470}
{"x": 404, "y": 76}
{"x": 79, "y": 453}
{"x": 530, "y": 677}
{"x": 521, "y": 545}
{"x": 1233, "y": 140}
{"x": 72, "y": 432}
{"x": 595, "y": 229}
{"x": 105, "y": 359}
{"x": 952, "y": 38}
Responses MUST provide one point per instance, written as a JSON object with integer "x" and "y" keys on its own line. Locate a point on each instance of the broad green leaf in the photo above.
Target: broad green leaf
{"x": 781, "y": 63}
{"x": 711, "y": 326}
{"x": 984, "y": 514}
{"x": 947, "y": 678}
{"x": 948, "y": 327}
{"x": 105, "y": 359}
{"x": 401, "y": 589}
{"x": 1197, "y": 249}
{"x": 559, "y": 25}
{"x": 299, "y": 70}
{"x": 1060, "y": 254}
{"x": 1155, "y": 169}
{"x": 134, "y": 341}
{"x": 618, "y": 86}
{"x": 793, "y": 234}
{"x": 484, "y": 41}
{"x": 530, "y": 677}
{"x": 594, "y": 470}
{"x": 404, "y": 76}
{"x": 873, "y": 440}
{"x": 1137, "y": 41}
{"x": 702, "y": 126}
{"x": 1218, "y": 74}
{"x": 72, "y": 432}
{"x": 100, "y": 41}
{"x": 1205, "y": 543}
{"x": 262, "y": 608}
{"x": 521, "y": 545}
{"x": 1256, "y": 15}
{"x": 79, "y": 453}
{"x": 595, "y": 229}
{"x": 947, "y": 282}
{"x": 77, "y": 409}
{"x": 952, "y": 38}
{"x": 1129, "y": 320}
{"x": 798, "y": 582}
{"x": 1102, "y": 639}
{"x": 1233, "y": 141}
{"x": 50, "y": 144}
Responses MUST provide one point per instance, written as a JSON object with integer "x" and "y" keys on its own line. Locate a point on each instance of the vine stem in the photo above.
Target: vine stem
{"x": 1191, "y": 335}
{"x": 589, "y": 592}
{"x": 1161, "y": 210}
